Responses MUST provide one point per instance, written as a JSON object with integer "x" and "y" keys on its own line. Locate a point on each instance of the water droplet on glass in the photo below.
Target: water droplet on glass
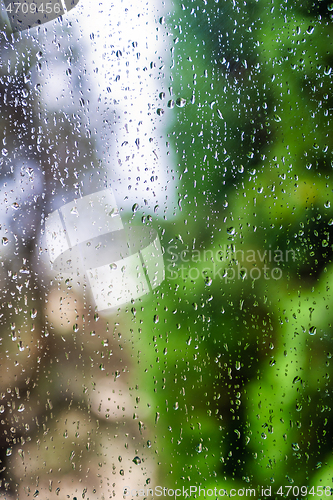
{"x": 135, "y": 207}
{"x": 4, "y": 240}
{"x": 171, "y": 104}
{"x": 231, "y": 230}
{"x": 137, "y": 460}
{"x": 242, "y": 274}
{"x": 33, "y": 313}
{"x": 156, "y": 318}
{"x": 180, "y": 102}
{"x": 160, "y": 111}
{"x": 312, "y": 330}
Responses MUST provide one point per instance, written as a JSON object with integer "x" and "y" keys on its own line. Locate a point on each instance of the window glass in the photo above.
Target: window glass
{"x": 166, "y": 249}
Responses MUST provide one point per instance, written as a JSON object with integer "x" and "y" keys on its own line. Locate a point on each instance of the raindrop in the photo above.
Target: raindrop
{"x": 156, "y": 318}
{"x": 33, "y": 313}
{"x": 137, "y": 460}
{"x": 242, "y": 274}
{"x": 160, "y": 111}
{"x": 171, "y": 104}
{"x": 180, "y": 102}
{"x": 231, "y": 230}
{"x": 135, "y": 207}
{"x": 75, "y": 328}
{"x": 4, "y": 240}
{"x": 312, "y": 330}
{"x": 15, "y": 205}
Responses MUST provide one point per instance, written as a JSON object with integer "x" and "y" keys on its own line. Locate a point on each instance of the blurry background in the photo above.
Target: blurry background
{"x": 211, "y": 123}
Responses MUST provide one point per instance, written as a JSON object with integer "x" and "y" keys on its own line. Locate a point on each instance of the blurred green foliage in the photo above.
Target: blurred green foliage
{"x": 241, "y": 366}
